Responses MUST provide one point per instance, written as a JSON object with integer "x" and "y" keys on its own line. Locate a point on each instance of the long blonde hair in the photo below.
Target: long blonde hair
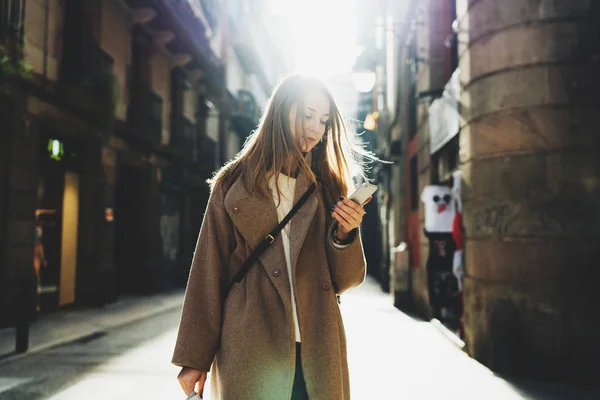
{"x": 272, "y": 147}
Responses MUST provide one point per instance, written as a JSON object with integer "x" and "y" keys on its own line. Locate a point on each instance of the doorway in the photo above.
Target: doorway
{"x": 57, "y": 222}
{"x": 133, "y": 228}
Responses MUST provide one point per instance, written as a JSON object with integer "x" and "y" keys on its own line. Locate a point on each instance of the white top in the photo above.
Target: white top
{"x": 287, "y": 186}
{"x": 439, "y": 208}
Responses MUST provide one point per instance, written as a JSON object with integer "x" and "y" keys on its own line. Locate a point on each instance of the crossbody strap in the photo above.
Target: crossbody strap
{"x": 266, "y": 242}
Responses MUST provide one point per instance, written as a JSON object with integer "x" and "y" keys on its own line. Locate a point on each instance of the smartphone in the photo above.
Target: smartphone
{"x": 363, "y": 192}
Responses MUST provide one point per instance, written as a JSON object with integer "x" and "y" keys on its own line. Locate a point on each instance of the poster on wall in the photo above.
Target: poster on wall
{"x": 444, "y": 115}
{"x": 439, "y": 208}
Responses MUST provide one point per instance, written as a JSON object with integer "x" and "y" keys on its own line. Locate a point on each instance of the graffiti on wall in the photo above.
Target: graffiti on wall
{"x": 494, "y": 220}
{"x": 552, "y": 218}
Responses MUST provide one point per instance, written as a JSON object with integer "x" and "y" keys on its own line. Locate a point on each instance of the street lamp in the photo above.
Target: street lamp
{"x": 364, "y": 80}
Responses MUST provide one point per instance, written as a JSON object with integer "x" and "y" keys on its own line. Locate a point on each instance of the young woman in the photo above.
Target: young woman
{"x": 277, "y": 334}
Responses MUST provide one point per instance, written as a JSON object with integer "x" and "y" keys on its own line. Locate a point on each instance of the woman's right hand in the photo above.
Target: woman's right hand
{"x": 188, "y": 377}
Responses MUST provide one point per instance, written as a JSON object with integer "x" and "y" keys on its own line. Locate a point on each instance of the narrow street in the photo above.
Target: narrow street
{"x": 392, "y": 356}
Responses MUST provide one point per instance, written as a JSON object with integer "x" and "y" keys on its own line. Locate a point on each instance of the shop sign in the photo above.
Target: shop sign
{"x": 444, "y": 115}
{"x": 56, "y": 149}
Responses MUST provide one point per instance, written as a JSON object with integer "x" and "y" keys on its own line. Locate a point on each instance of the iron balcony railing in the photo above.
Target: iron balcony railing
{"x": 207, "y": 154}
{"x": 183, "y": 138}
{"x": 145, "y": 112}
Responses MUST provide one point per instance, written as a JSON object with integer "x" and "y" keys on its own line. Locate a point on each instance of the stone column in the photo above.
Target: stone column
{"x": 530, "y": 72}
{"x": 18, "y": 185}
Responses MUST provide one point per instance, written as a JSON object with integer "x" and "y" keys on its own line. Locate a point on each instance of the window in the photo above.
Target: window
{"x": 177, "y": 87}
{"x": 413, "y": 172}
{"x": 445, "y": 161}
{"x": 141, "y": 48}
{"x": 73, "y": 40}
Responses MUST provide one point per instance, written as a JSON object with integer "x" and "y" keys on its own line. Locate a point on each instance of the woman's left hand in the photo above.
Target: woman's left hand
{"x": 349, "y": 216}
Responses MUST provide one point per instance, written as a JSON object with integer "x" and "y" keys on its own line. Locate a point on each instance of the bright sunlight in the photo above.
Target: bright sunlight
{"x": 323, "y": 34}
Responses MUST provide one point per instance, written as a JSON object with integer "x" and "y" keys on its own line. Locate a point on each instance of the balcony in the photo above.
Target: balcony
{"x": 180, "y": 17}
{"x": 245, "y": 113}
{"x": 183, "y": 138}
{"x": 145, "y": 113}
{"x": 192, "y": 30}
{"x": 207, "y": 154}
{"x": 12, "y": 19}
{"x": 94, "y": 60}
{"x": 96, "y": 75}
{"x": 87, "y": 81}
{"x": 210, "y": 11}
{"x": 188, "y": 143}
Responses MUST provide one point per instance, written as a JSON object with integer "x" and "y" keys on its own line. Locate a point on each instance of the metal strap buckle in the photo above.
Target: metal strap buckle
{"x": 271, "y": 239}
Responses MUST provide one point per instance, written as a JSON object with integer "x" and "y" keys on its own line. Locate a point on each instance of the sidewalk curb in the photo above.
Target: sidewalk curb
{"x": 97, "y": 330}
{"x": 448, "y": 335}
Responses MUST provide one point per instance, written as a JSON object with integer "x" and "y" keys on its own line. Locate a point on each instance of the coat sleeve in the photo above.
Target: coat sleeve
{"x": 199, "y": 332}
{"x": 347, "y": 265}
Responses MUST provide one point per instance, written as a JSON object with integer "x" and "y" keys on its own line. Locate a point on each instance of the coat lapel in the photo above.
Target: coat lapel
{"x": 254, "y": 217}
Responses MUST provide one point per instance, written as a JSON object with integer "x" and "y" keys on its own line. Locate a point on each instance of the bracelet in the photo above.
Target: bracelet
{"x": 338, "y": 241}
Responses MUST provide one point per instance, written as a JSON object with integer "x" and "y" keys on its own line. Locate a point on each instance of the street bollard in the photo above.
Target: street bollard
{"x": 23, "y": 310}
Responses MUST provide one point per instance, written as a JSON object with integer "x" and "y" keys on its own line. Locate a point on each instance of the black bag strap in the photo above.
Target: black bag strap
{"x": 266, "y": 242}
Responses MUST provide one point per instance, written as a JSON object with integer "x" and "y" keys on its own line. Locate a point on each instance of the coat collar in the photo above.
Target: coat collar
{"x": 254, "y": 217}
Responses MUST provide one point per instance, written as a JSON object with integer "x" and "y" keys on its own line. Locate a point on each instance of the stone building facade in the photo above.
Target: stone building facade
{"x": 108, "y": 141}
{"x": 527, "y": 149}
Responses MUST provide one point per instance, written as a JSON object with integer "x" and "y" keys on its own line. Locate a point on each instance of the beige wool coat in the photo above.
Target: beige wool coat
{"x": 248, "y": 339}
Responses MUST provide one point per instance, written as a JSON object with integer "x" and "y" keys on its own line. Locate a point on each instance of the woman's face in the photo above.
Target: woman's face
{"x": 315, "y": 117}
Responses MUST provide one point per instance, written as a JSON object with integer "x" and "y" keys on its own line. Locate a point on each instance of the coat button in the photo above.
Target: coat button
{"x": 236, "y": 209}
{"x": 325, "y": 286}
{"x": 276, "y": 273}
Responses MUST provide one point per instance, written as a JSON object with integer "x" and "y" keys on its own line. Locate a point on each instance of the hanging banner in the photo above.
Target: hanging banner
{"x": 444, "y": 115}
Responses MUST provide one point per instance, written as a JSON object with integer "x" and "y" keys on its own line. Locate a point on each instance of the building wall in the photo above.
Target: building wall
{"x": 18, "y": 181}
{"x": 528, "y": 154}
{"x": 115, "y": 39}
{"x": 56, "y": 111}
{"x": 529, "y": 150}
{"x": 160, "y": 81}
{"x": 236, "y": 75}
{"x": 190, "y": 102}
{"x": 234, "y": 144}
{"x": 37, "y": 32}
{"x": 254, "y": 64}
{"x": 109, "y": 155}
{"x": 212, "y": 124}
{"x": 431, "y": 25}
{"x": 397, "y": 92}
